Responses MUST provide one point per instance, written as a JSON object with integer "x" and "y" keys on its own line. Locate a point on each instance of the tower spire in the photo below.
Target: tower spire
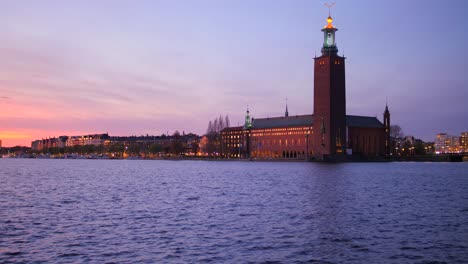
{"x": 330, "y": 7}
{"x": 286, "y": 113}
{"x": 329, "y": 45}
{"x": 247, "y": 122}
{"x": 386, "y": 116}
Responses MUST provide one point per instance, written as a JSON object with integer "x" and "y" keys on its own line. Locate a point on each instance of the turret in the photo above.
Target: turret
{"x": 247, "y": 123}
{"x": 386, "y": 117}
{"x": 329, "y": 44}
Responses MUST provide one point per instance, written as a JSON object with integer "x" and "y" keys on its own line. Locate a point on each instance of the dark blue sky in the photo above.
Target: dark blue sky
{"x": 137, "y": 67}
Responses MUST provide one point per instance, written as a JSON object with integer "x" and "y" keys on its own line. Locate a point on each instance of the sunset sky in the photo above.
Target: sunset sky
{"x": 152, "y": 67}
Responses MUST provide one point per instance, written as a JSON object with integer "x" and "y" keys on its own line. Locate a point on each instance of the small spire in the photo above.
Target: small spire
{"x": 329, "y": 19}
{"x": 286, "y": 113}
{"x": 386, "y": 106}
{"x": 330, "y": 7}
{"x": 248, "y": 122}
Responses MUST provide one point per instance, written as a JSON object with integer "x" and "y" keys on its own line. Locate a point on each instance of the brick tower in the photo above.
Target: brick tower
{"x": 329, "y": 135}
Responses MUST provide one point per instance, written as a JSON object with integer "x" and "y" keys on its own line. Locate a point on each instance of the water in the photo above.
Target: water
{"x": 73, "y": 211}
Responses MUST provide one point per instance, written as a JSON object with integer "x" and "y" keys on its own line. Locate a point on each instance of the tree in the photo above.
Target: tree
{"x": 213, "y": 139}
{"x": 176, "y": 144}
{"x": 99, "y": 149}
{"x": 215, "y": 126}
{"x": 195, "y": 147}
{"x": 134, "y": 149}
{"x": 227, "y": 123}
{"x": 117, "y": 148}
{"x": 221, "y": 124}
{"x": 209, "y": 130}
{"x": 396, "y": 131}
{"x": 88, "y": 149}
{"x": 406, "y": 148}
{"x": 155, "y": 148}
{"x": 419, "y": 147}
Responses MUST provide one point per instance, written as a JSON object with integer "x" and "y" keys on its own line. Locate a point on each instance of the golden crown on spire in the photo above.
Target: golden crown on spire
{"x": 329, "y": 20}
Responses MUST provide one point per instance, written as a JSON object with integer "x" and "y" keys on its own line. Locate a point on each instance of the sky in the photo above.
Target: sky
{"x": 152, "y": 67}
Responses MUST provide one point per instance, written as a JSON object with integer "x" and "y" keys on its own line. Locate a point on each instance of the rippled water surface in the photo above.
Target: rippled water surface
{"x": 122, "y": 211}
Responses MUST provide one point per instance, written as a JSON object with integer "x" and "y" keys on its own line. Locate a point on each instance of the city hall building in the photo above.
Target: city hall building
{"x": 326, "y": 134}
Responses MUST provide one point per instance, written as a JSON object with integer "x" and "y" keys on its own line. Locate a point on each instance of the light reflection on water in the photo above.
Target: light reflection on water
{"x": 196, "y": 211}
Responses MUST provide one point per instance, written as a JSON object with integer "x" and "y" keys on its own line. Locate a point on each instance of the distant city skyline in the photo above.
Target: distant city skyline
{"x": 148, "y": 67}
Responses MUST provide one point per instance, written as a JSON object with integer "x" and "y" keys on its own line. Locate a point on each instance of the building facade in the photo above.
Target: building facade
{"x": 445, "y": 143}
{"x": 463, "y": 142}
{"x": 54, "y": 142}
{"x": 93, "y": 139}
{"x": 66, "y": 141}
{"x": 327, "y": 134}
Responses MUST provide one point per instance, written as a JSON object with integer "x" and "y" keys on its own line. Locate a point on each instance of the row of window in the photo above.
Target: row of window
{"x": 323, "y": 62}
{"x": 281, "y": 133}
{"x": 280, "y": 142}
{"x": 268, "y": 130}
{"x": 298, "y": 154}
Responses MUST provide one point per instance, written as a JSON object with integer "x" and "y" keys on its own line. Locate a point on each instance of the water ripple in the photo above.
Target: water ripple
{"x": 74, "y": 211}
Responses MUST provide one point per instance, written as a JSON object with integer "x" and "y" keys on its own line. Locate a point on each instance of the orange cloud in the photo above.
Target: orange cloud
{"x": 11, "y": 138}
{"x": 14, "y": 138}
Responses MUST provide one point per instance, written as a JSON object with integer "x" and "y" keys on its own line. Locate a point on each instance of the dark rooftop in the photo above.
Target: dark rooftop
{"x": 307, "y": 120}
{"x": 233, "y": 128}
{"x": 290, "y": 121}
{"x": 363, "y": 121}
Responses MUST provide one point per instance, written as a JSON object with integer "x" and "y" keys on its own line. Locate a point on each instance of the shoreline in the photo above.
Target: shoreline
{"x": 427, "y": 158}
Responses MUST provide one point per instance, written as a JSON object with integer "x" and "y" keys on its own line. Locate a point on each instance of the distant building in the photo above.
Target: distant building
{"x": 445, "y": 143}
{"x": 441, "y": 143}
{"x": 0, "y": 143}
{"x": 463, "y": 142}
{"x": 65, "y": 141}
{"x": 93, "y": 139}
{"x": 55, "y": 142}
{"x": 327, "y": 134}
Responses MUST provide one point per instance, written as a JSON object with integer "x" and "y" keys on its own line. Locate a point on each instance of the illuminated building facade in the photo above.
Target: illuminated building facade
{"x": 290, "y": 137}
{"x": 463, "y": 142}
{"x": 94, "y": 139}
{"x": 65, "y": 141}
{"x": 445, "y": 143}
{"x": 55, "y": 142}
{"x": 327, "y": 134}
{"x": 235, "y": 142}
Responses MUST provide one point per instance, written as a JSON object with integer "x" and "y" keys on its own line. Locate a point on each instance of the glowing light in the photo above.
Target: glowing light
{"x": 329, "y": 20}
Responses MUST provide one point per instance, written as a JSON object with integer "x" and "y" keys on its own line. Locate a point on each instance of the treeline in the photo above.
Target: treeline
{"x": 16, "y": 149}
{"x": 218, "y": 124}
{"x": 212, "y": 145}
{"x": 404, "y": 146}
